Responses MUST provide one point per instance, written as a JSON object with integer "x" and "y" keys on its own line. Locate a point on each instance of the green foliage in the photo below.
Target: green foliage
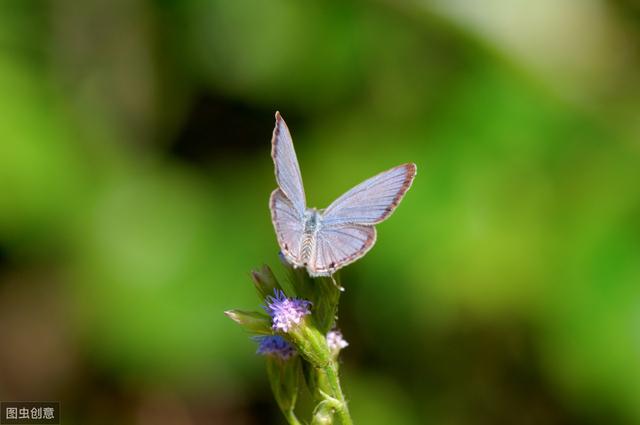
{"x": 265, "y": 282}
{"x": 251, "y": 321}
{"x": 284, "y": 376}
{"x": 325, "y": 301}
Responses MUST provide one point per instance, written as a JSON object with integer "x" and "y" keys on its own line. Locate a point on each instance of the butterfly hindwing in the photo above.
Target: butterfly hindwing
{"x": 337, "y": 246}
{"x": 289, "y": 226}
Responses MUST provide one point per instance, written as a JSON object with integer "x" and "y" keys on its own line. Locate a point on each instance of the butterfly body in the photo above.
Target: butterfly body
{"x": 324, "y": 241}
{"x": 312, "y": 220}
{"x": 312, "y": 224}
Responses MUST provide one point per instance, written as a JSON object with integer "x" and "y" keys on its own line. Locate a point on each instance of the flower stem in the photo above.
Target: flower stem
{"x": 291, "y": 418}
{"x": 331, "y": 371}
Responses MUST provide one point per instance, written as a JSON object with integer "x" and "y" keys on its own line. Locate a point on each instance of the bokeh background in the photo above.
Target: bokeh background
{"x": 135, "y": 174}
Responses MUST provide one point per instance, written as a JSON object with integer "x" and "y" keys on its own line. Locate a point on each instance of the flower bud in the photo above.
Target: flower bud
{"x": 275, "y": 345}
{"x": 336, "y": 342}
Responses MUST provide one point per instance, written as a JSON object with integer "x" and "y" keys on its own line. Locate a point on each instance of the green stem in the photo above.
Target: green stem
{"x": 331, "y": 371}
{"x": 291, "y": 418}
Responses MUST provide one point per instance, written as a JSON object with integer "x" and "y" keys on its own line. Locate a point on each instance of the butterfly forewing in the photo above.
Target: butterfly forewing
{"x": 373, "y": 200}
{"x": 286, "y": 165}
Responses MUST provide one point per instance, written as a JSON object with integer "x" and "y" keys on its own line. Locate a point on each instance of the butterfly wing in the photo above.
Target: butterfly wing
{"x": 373, "y": 200}
{"x": 347, "y": 231}
{"x": 286, "y": 165}
{"x": 289, "y": 226}
{"x": 337, "y": 246}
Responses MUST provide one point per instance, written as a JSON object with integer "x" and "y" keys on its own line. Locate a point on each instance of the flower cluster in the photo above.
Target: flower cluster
{"x": 275, "y": 345}
{"x": 286, "y": 312}
{"x": 335, "y": 341}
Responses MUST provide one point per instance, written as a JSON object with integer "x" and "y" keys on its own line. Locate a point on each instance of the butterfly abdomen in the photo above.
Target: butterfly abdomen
{"x": 312, "y": 220}
{"x": 306, "y": 248}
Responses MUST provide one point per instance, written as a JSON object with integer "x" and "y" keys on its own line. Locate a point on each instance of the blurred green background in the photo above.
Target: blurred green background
{"x": 135, "y": 175}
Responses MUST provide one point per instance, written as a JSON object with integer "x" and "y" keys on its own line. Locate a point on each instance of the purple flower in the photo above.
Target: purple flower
{"x": 335, "y": 341}
{"x": 275, "y": 345}
{"x": 286, "y": 312}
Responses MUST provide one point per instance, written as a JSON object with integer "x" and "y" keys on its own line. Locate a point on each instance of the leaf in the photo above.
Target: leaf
{"x": 284, "y": 377}
{"x": 265, "y": 281}
{"x": 301, "y": 283}
{"x": 325, "y": 302}
{"x": 252, "y": 321}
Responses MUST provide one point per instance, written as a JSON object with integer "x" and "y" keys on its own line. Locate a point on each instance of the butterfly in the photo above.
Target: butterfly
{"x": 326, "y": 240}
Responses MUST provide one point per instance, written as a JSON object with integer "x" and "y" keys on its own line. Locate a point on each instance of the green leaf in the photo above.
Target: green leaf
{"x": 325, "y": 303}
{"x": 301, "y": 283}
{"x": 284, "y": 377}
{"x": 265, "y": 281}
{"x": 316, "y": 380}
{"x": 252, "y": 321}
